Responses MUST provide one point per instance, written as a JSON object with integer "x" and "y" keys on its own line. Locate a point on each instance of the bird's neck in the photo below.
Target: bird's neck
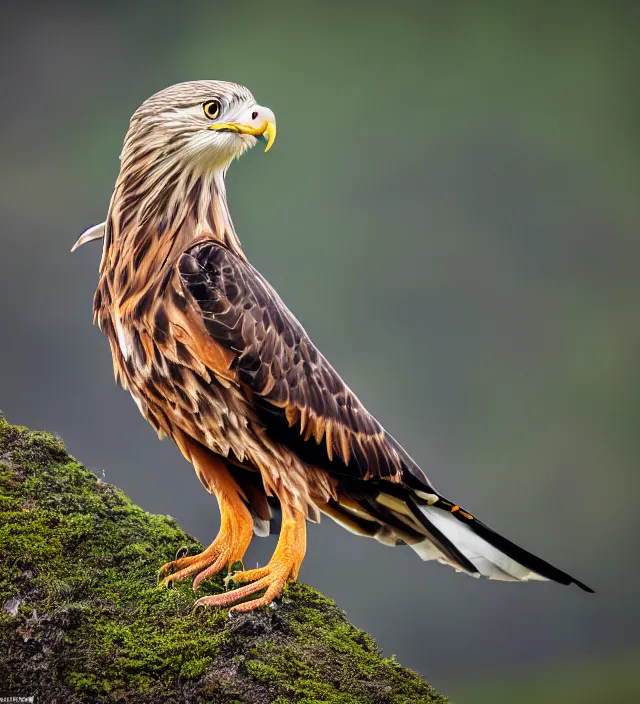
{"x": 155, "y": 216}
{"x": 154, "y": 219}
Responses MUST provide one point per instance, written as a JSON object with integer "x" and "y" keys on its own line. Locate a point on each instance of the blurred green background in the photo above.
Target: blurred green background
{"x": 451, "y": 209}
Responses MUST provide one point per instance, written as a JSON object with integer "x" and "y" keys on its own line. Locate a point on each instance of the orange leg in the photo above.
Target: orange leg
{"x": 282, "y": 568}
{"x": 236, "y": 523}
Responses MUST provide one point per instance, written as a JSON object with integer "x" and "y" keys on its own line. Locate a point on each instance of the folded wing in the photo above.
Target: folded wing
{"x": 297, "y": 394}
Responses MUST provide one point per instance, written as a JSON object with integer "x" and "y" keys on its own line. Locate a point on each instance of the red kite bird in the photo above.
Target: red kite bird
{"x": 216, "y": 361}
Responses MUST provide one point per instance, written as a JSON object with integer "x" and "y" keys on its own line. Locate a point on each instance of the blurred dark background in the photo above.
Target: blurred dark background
{"x": 451, "y": 209}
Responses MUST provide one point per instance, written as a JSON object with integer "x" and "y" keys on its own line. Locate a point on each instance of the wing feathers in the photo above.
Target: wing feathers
{"x": 304, "y": 399}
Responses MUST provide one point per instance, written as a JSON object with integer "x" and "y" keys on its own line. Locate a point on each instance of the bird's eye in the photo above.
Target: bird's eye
{"x": 211, "y": 109}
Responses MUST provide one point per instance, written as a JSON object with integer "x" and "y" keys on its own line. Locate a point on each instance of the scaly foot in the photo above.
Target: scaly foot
{"x": 215, "y": 556}
{"x": 283, "y": 567}
{"x": 228, "y": 548}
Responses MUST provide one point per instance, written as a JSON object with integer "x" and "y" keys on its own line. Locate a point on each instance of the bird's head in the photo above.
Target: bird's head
{"x": 208, "y": 123}
{"x": 187, "y": 131}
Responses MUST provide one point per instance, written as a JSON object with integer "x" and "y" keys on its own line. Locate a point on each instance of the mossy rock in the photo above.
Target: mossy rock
{"x": 83, "y": 620}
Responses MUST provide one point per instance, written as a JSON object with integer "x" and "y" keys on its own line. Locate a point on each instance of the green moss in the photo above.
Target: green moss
{"x": 261, "y": 671}
{"x": 84, "y": 619}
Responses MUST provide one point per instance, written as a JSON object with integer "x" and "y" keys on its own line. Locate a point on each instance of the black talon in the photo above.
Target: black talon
{"x": 182, "y": 552}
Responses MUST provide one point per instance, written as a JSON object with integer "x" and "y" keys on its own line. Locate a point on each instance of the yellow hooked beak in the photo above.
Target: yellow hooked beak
{"x": 255, "y": 120}
{"x": 268, "y": 129}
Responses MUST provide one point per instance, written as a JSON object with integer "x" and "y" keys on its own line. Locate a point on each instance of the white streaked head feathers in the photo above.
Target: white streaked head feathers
{"x": 175, "y": 121}
{"x": 175, "y": 142}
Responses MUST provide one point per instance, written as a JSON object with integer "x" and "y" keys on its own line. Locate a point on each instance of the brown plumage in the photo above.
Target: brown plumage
{"x": 216, "y": 361}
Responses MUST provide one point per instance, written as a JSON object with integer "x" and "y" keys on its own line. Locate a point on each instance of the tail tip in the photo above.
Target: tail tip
{"x": 582, "y": 586}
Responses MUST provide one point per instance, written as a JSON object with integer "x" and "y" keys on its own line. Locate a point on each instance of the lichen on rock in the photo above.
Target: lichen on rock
{"x": 83, "y": 620}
